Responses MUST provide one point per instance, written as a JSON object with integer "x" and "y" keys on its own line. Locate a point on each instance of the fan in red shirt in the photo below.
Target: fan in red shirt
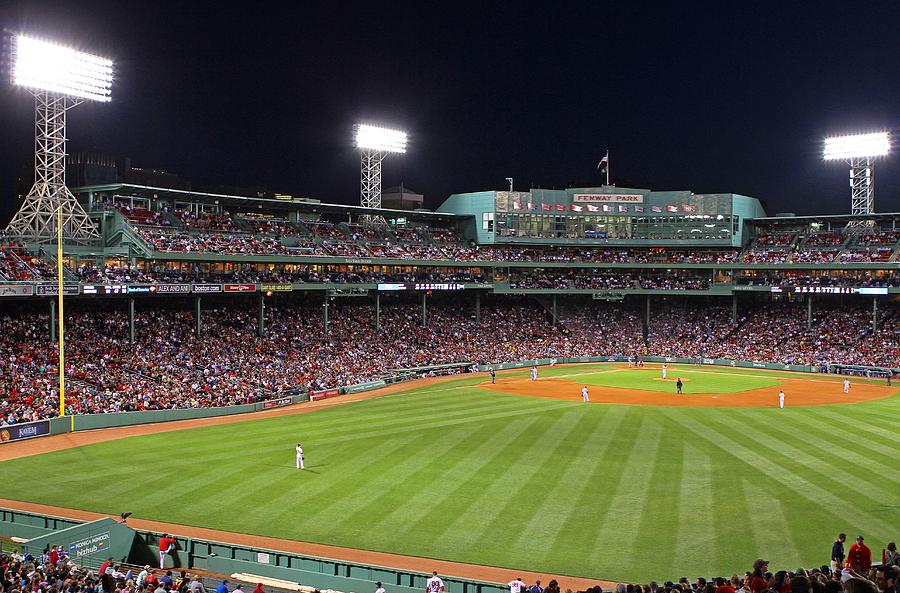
{"x": 860, "y": 556}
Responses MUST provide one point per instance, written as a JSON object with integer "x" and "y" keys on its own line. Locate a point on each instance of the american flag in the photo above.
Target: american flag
{"x": 604, "y": 161}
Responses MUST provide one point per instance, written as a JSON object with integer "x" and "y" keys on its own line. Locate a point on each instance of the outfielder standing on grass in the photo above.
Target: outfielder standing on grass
{"x": 781, "y": 399}
{"x": 300, "y": 464}
{"x": 584, "y": 394}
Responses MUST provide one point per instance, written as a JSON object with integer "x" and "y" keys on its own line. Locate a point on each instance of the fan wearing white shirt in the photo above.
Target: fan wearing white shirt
{"x": 516, "y": 586}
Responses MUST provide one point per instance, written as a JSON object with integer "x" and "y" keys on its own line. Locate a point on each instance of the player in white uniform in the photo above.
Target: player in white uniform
{"x": 534, "y": 373}
{"x": 378, "y": 587}
{"x": 846, "y": 385}
{"x": 664, "y": 369}
{"x": 516, "y": 586}
{"x": 584, "y": 394}
{"x": 781, "y": 399}
{"x": 434, "y": 584}
{"x": 300, "y": 456}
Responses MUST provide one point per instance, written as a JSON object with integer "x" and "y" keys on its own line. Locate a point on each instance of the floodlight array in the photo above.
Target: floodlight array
{"x": 62, "y": 70}
{"x": 857, "y": 146}
{"x": 376, "y": 138}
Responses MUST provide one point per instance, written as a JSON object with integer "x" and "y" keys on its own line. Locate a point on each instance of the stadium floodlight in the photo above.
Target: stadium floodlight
{"x": 859, "y": 151}
{"x": 44, "y": 66}
{"x": 857, "y": 146}
{"x": 374, "y": 142}
{"x": 377, "y": 138}
{"x": 60, "y": 78}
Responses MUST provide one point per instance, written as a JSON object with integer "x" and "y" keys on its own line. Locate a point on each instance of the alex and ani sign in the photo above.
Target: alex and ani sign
{"x": 607, "y": 198}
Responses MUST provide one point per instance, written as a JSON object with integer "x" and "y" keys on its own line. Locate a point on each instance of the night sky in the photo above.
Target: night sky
{"x": 725, "y": 96}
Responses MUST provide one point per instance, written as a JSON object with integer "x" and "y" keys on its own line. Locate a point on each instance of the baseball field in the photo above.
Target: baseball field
{"x": 640, "y": 483}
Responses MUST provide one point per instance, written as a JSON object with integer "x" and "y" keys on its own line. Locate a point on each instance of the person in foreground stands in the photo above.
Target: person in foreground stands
{"x": 860, "y": 557}
{"x": 837, "y": 552}
{"x": 757, "y": 578}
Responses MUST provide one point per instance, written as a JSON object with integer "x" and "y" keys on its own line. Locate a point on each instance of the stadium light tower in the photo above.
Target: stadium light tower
{"x": 374, "y": 144}
{"x": 60, "y": 78}
{"x": 860, "y": 151}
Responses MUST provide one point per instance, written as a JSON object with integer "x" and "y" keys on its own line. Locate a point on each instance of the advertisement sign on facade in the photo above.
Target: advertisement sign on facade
{"x": 240, "y": 288}
{"x": 207, "y": 288}
{"x": 8, "y": 290}
{"x": 17, "y": 432}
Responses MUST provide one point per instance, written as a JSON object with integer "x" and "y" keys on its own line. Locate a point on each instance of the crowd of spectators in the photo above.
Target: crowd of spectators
{"x": 169, "y": 366}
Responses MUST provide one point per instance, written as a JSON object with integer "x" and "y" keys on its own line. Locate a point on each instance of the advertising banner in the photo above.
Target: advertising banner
{"x": 275, "y": 403}
{"x": 276, "y": 287}
{"x": 8, "y": 290}
{"x": 17, "y": 432}
{"x": 172, "y": 288}
{"x": 53, "y": 290}
{"x": 207, "y": 288}
{"x": 324, "y": 394}
{"x": 613, "y": 198}
{"x": 240, "y": 288}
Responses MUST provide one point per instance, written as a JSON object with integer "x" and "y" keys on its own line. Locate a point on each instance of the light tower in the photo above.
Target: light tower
{"x": 374, "y": 144}
{"x": 59, "y": 78}
{"x": 860, "y": 151}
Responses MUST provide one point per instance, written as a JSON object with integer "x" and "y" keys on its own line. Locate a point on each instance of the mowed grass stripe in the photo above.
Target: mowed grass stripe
{"x": 579, "y": 532}
{"x": 769, "y": 523}
{"x": 392, "y": 489}
{"x": 556, "y": 498}
{"x": 426, "y": 499}
{"x": 694, "y": 508}
{"x": 456, "y": 495}
{"x": 806, "y": 458}
{"x": 480, "y": 519}
{"x": 531, "y": 484}
{"x": 814, "y": 493}
{"x": 861, "y": 460}
{"x": 623, "y": 515}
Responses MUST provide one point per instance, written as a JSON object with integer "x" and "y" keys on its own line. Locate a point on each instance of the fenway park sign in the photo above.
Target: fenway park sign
{"x": 609, "y": 198}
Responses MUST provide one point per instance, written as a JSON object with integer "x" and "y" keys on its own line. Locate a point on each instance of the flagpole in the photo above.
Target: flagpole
{"x": 607, "y": 167}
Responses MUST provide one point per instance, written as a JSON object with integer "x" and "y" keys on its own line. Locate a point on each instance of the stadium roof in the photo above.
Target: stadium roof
{"x": 286, "y": 204}
{"x": 824, "y": 218}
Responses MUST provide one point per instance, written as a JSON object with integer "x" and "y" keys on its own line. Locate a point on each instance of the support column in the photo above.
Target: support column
{"x": 734, "y": 308}
{"x": 424, "y": 310}
{"x": 131, "y": 321}
{"x": 647, "y": 320}
{"x": 874, "y": 315}
{"x": 198, "y": 329}
{"x": 261, "y": 316}
{"x": 378, "y": 311}
{"x": 478, "y": 307}
{"x": 325, "y": 311}
{"x": 52, "y": 320}
{"x": 554, "y": 310}
{"x": 809, "y": 300}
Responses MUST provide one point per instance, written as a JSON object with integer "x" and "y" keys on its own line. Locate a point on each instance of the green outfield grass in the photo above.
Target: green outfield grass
{"x": 458, "y": 472}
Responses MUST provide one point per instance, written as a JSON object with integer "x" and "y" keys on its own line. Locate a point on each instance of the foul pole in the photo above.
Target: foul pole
{"x": 59, "y": 274}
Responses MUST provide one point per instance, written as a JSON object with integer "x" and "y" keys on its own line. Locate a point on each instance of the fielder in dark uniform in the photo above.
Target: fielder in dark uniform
{"x": 679, "y": 385}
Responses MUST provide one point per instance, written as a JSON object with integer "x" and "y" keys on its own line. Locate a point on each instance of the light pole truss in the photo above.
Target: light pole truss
{"x": 36, "y": 220}
{"x": 370, "y": 182}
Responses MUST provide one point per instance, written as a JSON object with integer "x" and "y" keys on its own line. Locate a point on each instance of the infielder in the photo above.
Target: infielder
{"x": 664, "y": 369}
{"x": 584, "y": 394}
{"x": 300, "y": 464}
{"x": 846, "y": 386}
{"x": 534, "y": 373}
{"x": 493, "y": 374}
{"x": 781, "y": 399}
